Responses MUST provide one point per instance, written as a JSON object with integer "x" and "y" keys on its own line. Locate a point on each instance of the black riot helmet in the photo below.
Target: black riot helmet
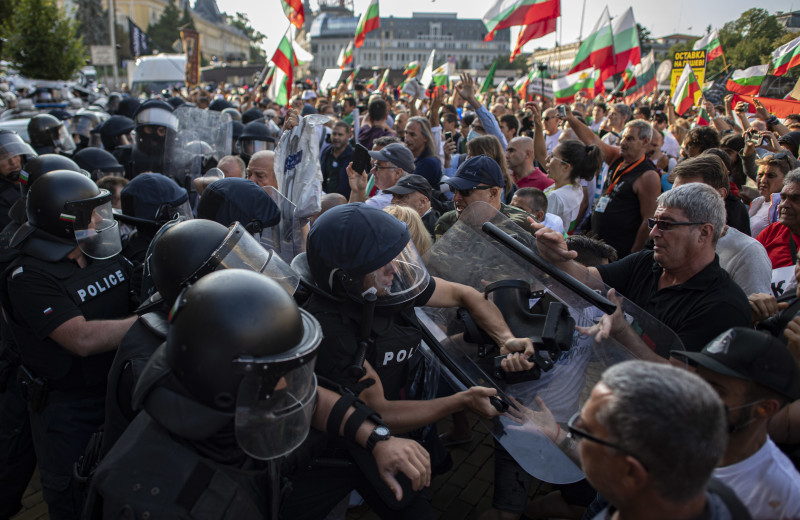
{"x": 11, "y": 147}
{"x": 233, "y": 113}
{"x": 83, "y": 122}
{"x": 238, "y": 344}
{"x": 355, "y": 250}
{"x": 238, "y": 200}
{"x": 155, "y": 126}
{"x": 69, "y": 207}
{"x": 151, "y": 200}
{"x": 257, "y": 136}
{"x": 49, "y": 135}
{"x": 236, "y": 130}
{"x": 41, "y": 165}
{"x": 189, "y": 250}
{"x": 99, "y": 163}
{"x": 115, "y": 131}
{"x": 218, "y": 105}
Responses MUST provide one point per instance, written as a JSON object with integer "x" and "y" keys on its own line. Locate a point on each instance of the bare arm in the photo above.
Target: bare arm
{"x": 585, "y": 134}
{"x": 648, "y": 188}
{"x": 539, "y": 143}
{"x": 85, "y": 338}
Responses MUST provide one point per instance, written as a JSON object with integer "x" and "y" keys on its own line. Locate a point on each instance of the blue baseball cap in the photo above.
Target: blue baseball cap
{"x": 475, "y": 171}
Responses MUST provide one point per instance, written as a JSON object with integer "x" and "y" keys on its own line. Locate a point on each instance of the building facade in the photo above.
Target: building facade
{"x": 399, "y": 41}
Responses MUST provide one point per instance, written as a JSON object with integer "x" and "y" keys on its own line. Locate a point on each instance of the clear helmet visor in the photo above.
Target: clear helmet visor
{"x": 399, "y": 281}
{"x": 63, "y": 140}
{"x": 82, "y": 125}
{"x": 250, "y": 147}
{"x": 240, "y": 250}
{"x": 157, "y": 117}
{"x": 13, "y": 147}
{"x": 96, "y": 230}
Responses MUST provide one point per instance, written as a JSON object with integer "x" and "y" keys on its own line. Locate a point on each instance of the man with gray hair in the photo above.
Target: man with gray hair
{"x": 780, "y": 238}
{"x": 680, "y": 282}
{"x": 649, "y": 437}
{"x": 628, "y": 196}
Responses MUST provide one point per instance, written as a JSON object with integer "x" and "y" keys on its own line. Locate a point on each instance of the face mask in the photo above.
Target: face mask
{"x": 472, "y": 135}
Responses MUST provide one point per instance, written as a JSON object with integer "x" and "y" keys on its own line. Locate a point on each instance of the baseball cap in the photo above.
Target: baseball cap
{"x": 309, "y": 94}
{"x": 750, "y": 355}
{"x": 409, "y": 184}
{"x": 477, "y": 170}
{"x": 397, "y": 154}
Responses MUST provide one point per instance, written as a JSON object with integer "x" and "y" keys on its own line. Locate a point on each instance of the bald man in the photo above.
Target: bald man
{"x": 261, "y": 169}
{"x": 519, "y": 156}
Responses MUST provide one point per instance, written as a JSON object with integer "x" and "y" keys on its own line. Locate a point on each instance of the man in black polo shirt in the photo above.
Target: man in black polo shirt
{"x": 334, "y": 158}
{"x": 680, "y": 282}
{"x": 415, "y": 192}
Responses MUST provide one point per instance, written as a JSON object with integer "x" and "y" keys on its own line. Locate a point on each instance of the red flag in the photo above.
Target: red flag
{"x": 533, "y": 31}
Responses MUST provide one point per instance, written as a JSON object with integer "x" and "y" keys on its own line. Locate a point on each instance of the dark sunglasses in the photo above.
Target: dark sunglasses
{"x": 783, "y": 156}
{"x": 666, "y": 225}
{"x": 577, "y": 434}
{"x": 467, "y": 193}
{"x": 548, "y": 118}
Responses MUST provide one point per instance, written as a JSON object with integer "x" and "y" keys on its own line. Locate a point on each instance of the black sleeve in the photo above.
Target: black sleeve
{"x": 618, "y": 274}
{"x": 422, "y": 299}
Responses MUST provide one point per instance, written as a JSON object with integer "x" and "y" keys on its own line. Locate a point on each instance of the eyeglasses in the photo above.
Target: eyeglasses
{"x": 467, "y": 193}
{"x": 577, "y": 434}
{"x": 666, "y": 225}
{"x": 551, "y": 156}
{"x": 378, "y": 167}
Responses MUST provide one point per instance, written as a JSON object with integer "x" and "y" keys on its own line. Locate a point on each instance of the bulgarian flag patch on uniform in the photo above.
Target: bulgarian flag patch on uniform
{"x": 67, "y": 218}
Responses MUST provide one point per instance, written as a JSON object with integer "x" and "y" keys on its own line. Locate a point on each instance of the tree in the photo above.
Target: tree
{"x": 645, "y": 40}
{"x": 92, "y": 24}
{"x": 242, "y": 22}
{"x": 42, "y": 41}
{"x": 748, "y": 40}
{"x": 186, "y": 21}
{"x": 165, "y": 31}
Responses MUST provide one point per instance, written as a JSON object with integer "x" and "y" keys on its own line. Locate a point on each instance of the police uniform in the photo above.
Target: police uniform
{"x": 45, "y": 295}
{"x": 9, "y": 194}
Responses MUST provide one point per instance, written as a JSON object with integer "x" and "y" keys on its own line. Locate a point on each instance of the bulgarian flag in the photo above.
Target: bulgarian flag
{"x": 280, "y": 87}
{"x": 711, "y": 44}
{"x": 533, "y": 31}
{"x": 346, "y": 56}
{"x": 371, "y": 83}
{"x": 747, "y": 81}
{"x": 703, "y": 118}
{"x": 285, "y": 61}
{"x": 626, "y": 42}
{"x": 508, "y": 13}
{"x": 369, "y": 21}
{"x": 597, "y": 50}
{"x": 786, "y": 56}
{"x": 411, "y": 70}
{"x": 646, "y": 83}
{"x": 565, "y": 89}
{"x": 441, "y": 75}
{"x": 351, "y": 81}
{"x": 270, "y": 76}
{"x": 384, "y": 80}
{"x": 687, "y": 91}
{"x": 294, "y": 12}
{"x": 488, "y": 82}
{"x": 628, "y": 77}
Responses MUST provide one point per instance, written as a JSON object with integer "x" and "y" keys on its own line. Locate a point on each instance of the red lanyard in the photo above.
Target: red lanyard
{"x": 615, "y": 178}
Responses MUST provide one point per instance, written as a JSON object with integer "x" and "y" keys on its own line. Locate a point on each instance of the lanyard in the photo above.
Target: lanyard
{"x": 615, "y": 178}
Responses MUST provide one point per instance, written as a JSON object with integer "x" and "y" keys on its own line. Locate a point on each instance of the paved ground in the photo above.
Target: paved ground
{"x": 461, "y": 494}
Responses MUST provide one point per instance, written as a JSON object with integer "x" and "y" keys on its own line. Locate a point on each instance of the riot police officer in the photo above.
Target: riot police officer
{"x": 49, "y": 135}
{"x": 257, "y": 136}
{"x": 83, "y": 122}
{"x": 227, "y": 391}
{"x": 67, "y": 302}
{"x": 156, "y": 128}
{"x": 98, "y": 163}
{"x": 14, "y": 153}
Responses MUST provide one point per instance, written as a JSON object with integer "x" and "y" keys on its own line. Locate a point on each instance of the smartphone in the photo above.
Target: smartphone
{"x": 561, "y": 110}
{"x": 361, "y": 158}
{"x": 448, "y": 135}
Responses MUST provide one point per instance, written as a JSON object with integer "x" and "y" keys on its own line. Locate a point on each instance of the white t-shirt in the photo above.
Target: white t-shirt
{"x": 763, "y": 213}
{"x": 553, "y": 222}
{"x": 671, "y": 145}
{"x": 746, "y": 261}
{"x": 766, "y": 482}
{"x": 565, "y": 202}
{"x": 380, "y": 200}
{"x": 551, "y": 141}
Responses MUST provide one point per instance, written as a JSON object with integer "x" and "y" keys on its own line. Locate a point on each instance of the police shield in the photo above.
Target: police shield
{"x": 203, "y": 138}
{"x": 540, "y": 302}
{"x": 285, "y": 238}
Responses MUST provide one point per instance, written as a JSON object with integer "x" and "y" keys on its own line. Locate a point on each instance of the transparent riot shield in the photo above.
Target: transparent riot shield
{"x": 541, "y": 404}
{"x": 203, "y": 138}
{"x": 285, "y": 238}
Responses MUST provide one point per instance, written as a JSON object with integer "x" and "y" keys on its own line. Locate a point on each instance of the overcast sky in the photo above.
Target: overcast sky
{"x": 661, "y": 17}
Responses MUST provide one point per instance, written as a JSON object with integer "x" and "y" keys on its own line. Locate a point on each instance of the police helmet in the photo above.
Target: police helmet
{"x": 257, "y": 136}
{"x": 99, "y": 163}
{"x": 354, "y": 250}
{"x": 12, "y": 145}
{"x": 83, "y": 122}
{"x": 236, "y": 130}
{"x": 43, "y": 164}
{"x": 218, "y": 105}
{"x": 48, "y": 132}
{"x": 233, "y": 113}
{"x": 254, "y": 114}
{"x": 155, "y": 112}
{"x": 151, "y": 200}
{"x": 128, "y": 107}
{"x": 112, "y": 128}
{"x": 238, "y": 343}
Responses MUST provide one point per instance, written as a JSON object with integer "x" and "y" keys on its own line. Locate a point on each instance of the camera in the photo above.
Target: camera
{"x": 561, "y": 110}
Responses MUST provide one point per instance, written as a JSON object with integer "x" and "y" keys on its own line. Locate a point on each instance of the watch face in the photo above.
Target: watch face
{"x": 383, "y": 431}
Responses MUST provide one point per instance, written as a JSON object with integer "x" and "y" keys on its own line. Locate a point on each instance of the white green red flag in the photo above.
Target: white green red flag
{"x": 346, "y": 56}
{"x": 687, "y": 91}
{"x": 441, "y": 75}
{"x": 626, "y": 42}
{"x": 628, "y": 77}
{"x": 533, "y": 31}
{"x": 411, "y": 70}
{"x": 280, "y": 87}
{"x": 351, "y": 80}
{"x": 597, "y": 50}
{"x": 294, "y": 12}
{"x": 384, "y": 80}
{"x": 565, "y": 89}
{"x": 427, "y": 73}
{"x": 508, "y": 13}
{"x": 702, "y": 117}
{"x": 285, "y": 61}
{"x": 747, "y": 81}
{"x": 646, "y": 83}
{"x": 369, "y": 21}
{"x": 711, "y": 44}
{"x": 786, "y": 56}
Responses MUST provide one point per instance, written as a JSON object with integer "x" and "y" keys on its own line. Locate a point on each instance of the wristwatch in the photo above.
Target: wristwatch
{"x": 380, "y": 433}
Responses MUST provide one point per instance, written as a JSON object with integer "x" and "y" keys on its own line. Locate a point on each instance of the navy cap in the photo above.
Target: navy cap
{"x": 475, "y": 171}
{"x": 409, "y": 184}
{"x": 750, "y": 355}
{"x": 397, "y": 154}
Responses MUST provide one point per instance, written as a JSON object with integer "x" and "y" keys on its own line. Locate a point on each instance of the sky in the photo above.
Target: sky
{"x": 679, "y": 16}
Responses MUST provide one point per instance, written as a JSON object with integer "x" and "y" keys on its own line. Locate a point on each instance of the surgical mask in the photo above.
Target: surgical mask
{"x": 472, "y": 135}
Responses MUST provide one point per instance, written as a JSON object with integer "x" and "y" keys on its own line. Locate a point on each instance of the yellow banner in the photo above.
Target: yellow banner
{"x": 696, "y": 60}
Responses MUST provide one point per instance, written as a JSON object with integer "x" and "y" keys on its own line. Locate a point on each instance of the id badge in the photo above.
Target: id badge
{"x": 600, "y": 207}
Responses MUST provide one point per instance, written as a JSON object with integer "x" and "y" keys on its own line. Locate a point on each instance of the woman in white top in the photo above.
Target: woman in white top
{"x": 570, "y": 161}
{"x": 771, "y": 170}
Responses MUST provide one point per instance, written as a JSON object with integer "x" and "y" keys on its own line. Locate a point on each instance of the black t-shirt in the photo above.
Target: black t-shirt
{"x": 396, "y": 337}
{"x": 698, "y": 310}
{"x": 736, "y": 214}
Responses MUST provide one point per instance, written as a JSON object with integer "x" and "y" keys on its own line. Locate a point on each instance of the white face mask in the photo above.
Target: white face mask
{"x": 472, "y": 135}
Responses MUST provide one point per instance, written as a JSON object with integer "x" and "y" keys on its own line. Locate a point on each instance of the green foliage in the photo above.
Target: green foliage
{"x": 42, "y": 41}
{"x": 186, "y": 21}
{"x": 520, "y": 63}
{"x": 92, "y": 22}
{"x": 165, "y": 31}
{"x": 644, "y": 38}
{"x": 463, "y": 63}
{"x": 242, "y": 22}
{"x": 749, "y": 40}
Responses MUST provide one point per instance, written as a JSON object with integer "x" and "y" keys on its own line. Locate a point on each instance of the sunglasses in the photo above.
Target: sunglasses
{"x": 548, "y": 118}
{"x": 551, "y": 156}
{"x": 577, "y": 434}
{"x": 783, "y": 156}
{"x": 467, "y": 193}
{"x": 666, "y": 225}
